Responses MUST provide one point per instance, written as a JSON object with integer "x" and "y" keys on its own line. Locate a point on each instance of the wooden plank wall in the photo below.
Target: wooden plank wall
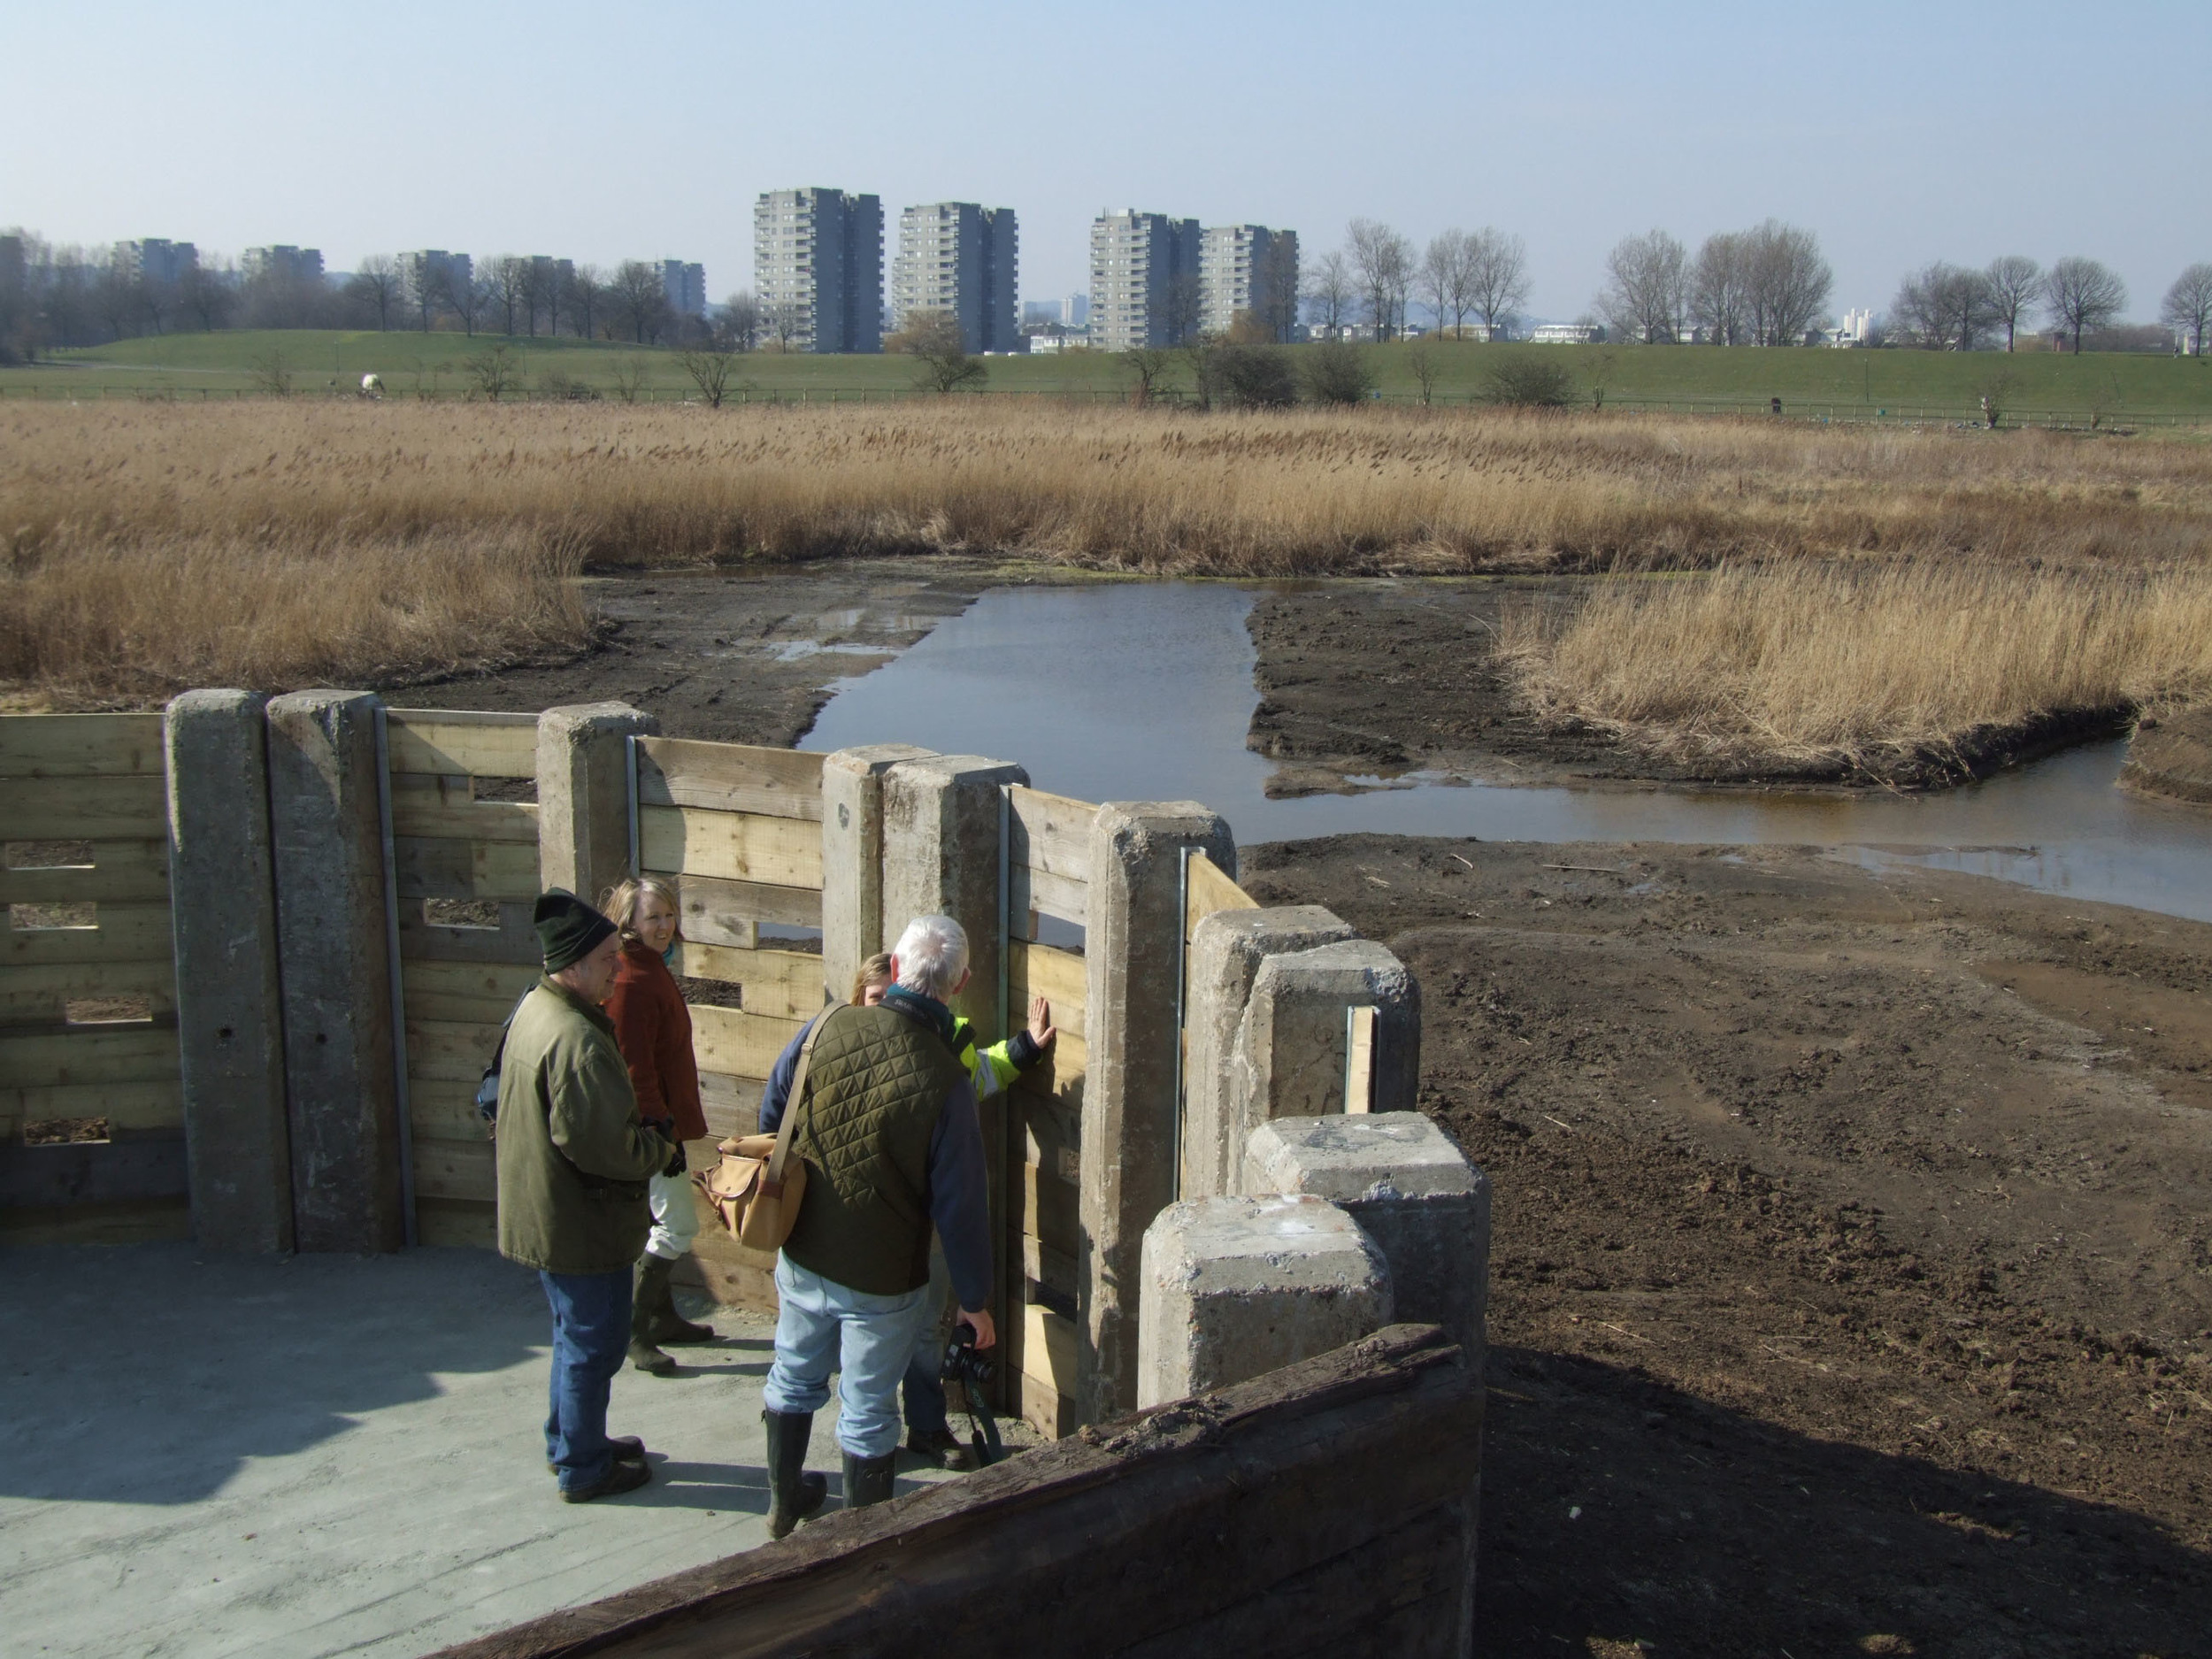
{"x": 1048, "y": 870}
{"x": 458, "y": 982}
{"x": 739, "y": 831}
{"x": 88, "y": 983}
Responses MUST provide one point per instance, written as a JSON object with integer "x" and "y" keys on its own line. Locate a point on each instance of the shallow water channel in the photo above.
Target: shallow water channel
{"x": 1143, "y": 691}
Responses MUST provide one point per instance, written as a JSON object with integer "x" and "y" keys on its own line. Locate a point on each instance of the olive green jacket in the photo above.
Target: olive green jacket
{"x": 573, "y": 1158}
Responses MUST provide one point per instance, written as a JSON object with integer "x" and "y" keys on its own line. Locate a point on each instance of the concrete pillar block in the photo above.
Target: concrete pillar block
{"x": 584, "y": 795}
{"x": 1225, "y": 953}
{"x": 1133, "y": 945}
{"x": 1411, "y": 1190}
{"x": 1289, "y": 1060}
{"x": 852, "y": 856}
{"x": 940, "y": 854}
{"x": 230, "y": 1020}
{"x": 1235, "y": 1286}
{"x": 334, "y": 965}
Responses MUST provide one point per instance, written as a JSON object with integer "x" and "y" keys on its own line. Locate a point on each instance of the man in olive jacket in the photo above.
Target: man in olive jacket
{"x": 887, "y": 1126}
{"x": 573, "y": 1163}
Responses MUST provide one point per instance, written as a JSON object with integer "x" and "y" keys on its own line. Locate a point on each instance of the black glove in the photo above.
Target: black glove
{"x": 666, "y": 1128}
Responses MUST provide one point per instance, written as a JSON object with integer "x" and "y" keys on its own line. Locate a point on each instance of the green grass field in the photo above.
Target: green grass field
{"x": 2037, "y": 386}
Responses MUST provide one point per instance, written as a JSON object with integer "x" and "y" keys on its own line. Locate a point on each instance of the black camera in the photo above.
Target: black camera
{"x": 962, "y": 1363}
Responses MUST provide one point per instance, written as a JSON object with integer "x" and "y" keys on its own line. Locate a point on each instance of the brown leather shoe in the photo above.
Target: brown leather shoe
{"x": 622, "y": 1476}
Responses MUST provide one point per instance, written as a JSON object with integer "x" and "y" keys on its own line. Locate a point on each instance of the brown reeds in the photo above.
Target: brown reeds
{"x": 1911, "y": 669}
{"x": 357, "y": 535}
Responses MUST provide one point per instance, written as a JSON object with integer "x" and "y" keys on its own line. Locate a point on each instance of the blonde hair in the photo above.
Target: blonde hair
{"x": 621, "y": 902}
{"x": 875, "y": 971}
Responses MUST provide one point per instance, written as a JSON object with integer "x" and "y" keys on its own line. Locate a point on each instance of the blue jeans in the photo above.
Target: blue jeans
{"x": 823, "y": 1325}
{"x": 924, "y": 1385}
{"x": 591, "y": 1337}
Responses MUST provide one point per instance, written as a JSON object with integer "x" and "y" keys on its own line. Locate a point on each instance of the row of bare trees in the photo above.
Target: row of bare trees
{"x": 1480, "y": 273}
{"x": 1955, "y": 308}
{"x": 1768, "y": 286}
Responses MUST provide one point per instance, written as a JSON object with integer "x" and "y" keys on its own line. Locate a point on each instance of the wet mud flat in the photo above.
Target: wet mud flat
{"x": 1852, "y": 1273}
{"x": 1375, "y": 677}
{"x": 742, "y": 657}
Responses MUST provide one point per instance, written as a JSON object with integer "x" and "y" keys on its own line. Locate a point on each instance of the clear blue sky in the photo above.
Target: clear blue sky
{"x": 1900, "y": 132}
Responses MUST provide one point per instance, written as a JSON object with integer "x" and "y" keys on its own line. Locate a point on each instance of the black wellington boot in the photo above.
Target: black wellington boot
{"x": 656, "y": 1305}
{"x": 868, "y": 1479}
{"x": 643, "y": 1355}
{"x": 793, "y": 1493}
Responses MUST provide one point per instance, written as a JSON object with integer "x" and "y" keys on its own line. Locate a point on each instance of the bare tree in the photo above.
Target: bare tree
{"x": 1381, "y": 262}
{"x": 586, "y": 291}
{"x": 1423, "y": 358}
{"x": 1719, "y": 285}
{"x": 1149, "y": 365}
{"x": 1945, "y": 307}
{"x": 376, "y": 285}
{"x": 1330, "y": 297}
{"x": 510, "y": 279}
{"x": 1497, "y": 277}
{"x": 208, "y": 292}
{"x": 783, "y": 321}
{"x": 1647, "y": 289}
{"x": 739, "y": 320}
{"x": 495, "y": 370}
{"x": 2187, "y": 307}
{"x": 1788, "y": 282}
{"x": 460, "y": 292}
{"x": 1444, "y": 278}
{"x": 1277, "y": 309}
{"x": 709, "y": 368}
{"x": 629, "y": 375}
{"x": 2082, "y": 294}
{"x": 935, "y": 338}
{"x": 640, "y": 298}
{"x": 2016, "y": 283}
{"x": 1183, "y": 309}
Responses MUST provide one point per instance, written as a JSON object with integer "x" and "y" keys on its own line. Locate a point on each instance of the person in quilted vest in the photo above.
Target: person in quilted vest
{"x": 886, "y": 1127}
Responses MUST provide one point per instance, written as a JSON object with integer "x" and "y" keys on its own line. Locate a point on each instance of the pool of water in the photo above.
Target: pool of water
{"x": 1143, "y": 691}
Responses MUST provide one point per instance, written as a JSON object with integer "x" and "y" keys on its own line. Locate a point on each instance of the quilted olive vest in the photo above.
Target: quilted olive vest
{"x": 874, "y": 1090}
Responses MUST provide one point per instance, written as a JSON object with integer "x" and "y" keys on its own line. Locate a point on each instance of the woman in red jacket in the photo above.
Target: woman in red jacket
{"x": 653, "y": 1027}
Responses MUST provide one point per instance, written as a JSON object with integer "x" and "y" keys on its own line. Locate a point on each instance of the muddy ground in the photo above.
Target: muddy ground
{"x": 1853, "y": 1264}
{"x": 1852, "y": 1289}
{"x": 1376, "y": 676}
{"x": 732, "y": 658}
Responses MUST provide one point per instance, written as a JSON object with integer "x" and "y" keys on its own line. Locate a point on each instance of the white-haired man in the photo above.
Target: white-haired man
{"x": 886, "y": 1127}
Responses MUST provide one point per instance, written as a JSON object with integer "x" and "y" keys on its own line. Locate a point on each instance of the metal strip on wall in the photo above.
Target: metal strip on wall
{"x": 399, "y": 1002}
{"x": 629, "y": 746}
{"x": 1182, "y": 973}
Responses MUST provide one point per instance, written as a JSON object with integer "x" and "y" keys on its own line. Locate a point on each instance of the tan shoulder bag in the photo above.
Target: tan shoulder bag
{"x": 756, "y": 1187}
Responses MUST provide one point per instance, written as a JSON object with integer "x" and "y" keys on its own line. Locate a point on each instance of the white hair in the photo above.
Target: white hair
{"x": 933, "y": 954}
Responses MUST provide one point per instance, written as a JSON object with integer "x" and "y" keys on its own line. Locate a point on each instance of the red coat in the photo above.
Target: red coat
{"x": 653, "y": 1027}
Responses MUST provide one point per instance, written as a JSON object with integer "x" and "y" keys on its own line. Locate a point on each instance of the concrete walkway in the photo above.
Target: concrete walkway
{"x": 331, "y": 1455}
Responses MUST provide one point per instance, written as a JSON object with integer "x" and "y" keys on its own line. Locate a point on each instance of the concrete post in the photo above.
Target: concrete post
{"x": 1236, "y": 1286}
{"x": 940, "y": 854}
{"x": 1225, "y": 953}
{"x": 1290, "y": 1052}
{"x": 584, "y": 795}
{"x": 1411, "y": 1190}
{"x": 1133, "y": 949}
{"x": 852, "y": 856}
{"x": 334, "y": 965}
{"x": 230, "y": 1022}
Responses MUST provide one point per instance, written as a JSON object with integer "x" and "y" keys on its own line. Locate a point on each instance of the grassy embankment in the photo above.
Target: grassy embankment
{"x": 1904, "y": 386}
{"x": 152, "y": 547}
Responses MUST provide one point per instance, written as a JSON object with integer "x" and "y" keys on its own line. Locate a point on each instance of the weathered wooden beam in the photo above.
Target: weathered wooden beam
{"x": 1169, "y": 1531}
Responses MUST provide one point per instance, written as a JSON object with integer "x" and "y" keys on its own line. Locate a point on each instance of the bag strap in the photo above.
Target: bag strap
{"x": 771, "y": 1178}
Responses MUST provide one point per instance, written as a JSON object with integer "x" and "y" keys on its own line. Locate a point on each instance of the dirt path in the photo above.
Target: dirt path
{"x": 1852, "y": 1285}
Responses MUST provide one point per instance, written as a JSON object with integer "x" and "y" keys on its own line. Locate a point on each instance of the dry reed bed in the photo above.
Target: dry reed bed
{"x": 155, "y": 546}
{"x": 1912, "y": 670}
{"x": 1247, "y": 495}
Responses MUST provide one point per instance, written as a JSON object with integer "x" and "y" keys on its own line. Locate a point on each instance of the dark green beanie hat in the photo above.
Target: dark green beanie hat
{"x": 568, "y": 928}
